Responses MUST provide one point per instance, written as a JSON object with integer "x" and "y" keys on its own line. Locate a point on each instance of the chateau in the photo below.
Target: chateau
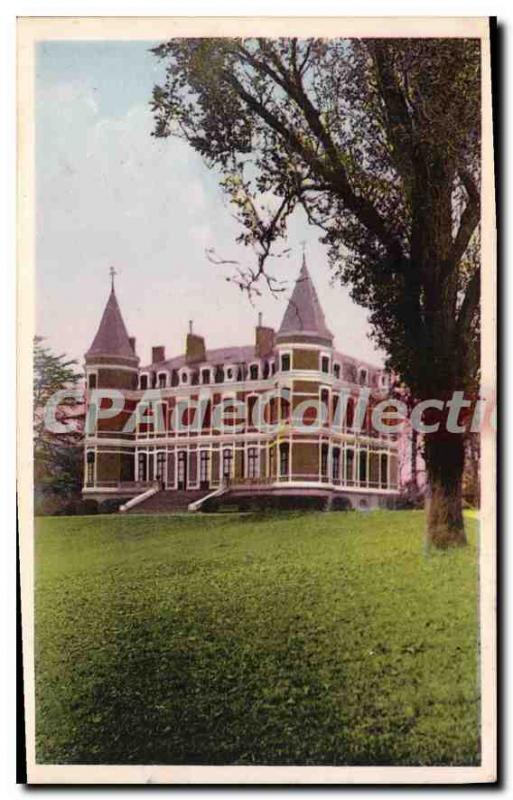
{"x": 277, "y": 421}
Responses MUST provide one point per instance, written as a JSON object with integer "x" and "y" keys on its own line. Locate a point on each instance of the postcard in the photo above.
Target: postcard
{"x": 256, "y": 406}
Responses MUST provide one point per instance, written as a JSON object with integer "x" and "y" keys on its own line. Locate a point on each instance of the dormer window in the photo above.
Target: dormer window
{"x": 285, "y": 362}
{"x": 143, "y": 382}
{"x": 272, "y": 364}
{"x": 184, "y": 377}
{"x": 253, "y": 372}
{"x": 205, "y": 376}
{"x": 162, "y": 380}
{"x": 325, "y": 364}
{"x": 363, "y": 376}
{"x": 336, "y": 371}
{"x": 228, "y": 373}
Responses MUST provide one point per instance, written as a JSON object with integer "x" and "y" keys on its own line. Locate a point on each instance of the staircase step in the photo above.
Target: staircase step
{"x": 168, "y": 501}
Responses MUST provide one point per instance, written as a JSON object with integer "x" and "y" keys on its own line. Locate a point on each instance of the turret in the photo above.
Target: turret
{"x": 111, "y": 361}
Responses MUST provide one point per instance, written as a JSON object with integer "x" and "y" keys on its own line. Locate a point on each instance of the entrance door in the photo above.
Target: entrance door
{"x": 182, "y": 469}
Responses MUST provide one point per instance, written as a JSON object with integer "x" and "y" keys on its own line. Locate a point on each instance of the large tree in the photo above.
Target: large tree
{"x": 378, "y": 140}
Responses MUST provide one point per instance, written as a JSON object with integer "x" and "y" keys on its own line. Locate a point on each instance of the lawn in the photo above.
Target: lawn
{"x": 224, "y": 639}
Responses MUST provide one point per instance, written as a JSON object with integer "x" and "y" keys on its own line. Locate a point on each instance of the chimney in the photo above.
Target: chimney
{"x": 194, "y": 347}
{"x": 131, "y": 339}
{"x": 264, "y": 339}
{"x": 158, "y": 354}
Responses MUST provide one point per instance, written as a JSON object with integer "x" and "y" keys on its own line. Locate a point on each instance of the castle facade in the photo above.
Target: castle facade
{"x": 287, "y": 416}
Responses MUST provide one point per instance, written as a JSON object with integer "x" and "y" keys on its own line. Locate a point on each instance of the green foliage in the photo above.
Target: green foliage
{"x": 58, "y": 458}
{"x": 292, "y": 639}
{"x": 379, "y": 142}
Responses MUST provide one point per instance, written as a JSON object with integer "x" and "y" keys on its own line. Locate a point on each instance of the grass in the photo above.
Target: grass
{"x": 291, "y": 639}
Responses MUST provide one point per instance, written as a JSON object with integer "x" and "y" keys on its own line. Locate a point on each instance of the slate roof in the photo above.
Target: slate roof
{"x": 220, "y": 355}
{"x": 304, "y": 315}
{"x": 111, "y": 338}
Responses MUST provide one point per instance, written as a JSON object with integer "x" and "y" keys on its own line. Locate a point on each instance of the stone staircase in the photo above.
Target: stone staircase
{"x": 168, "y": 501}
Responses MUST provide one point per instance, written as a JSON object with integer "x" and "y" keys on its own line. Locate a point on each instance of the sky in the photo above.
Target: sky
{"x": 110, "y": 194}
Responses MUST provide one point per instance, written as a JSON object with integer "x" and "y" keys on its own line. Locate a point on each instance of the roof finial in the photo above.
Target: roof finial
{"x": 112, "y": 273}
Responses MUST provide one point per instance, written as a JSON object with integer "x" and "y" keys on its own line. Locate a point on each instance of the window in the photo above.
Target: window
{"x": 362, "y": 376}
{"x": 273, "y": 368}
{"x": 182, "y": 469}
{"x": 349, "y": 466}
{"x": 162, "y": 380}
{"x": 252, "y": 463}
{"x": 284, "y": 459}
{"x": 219, "y": 377}
{"x": 204, "y": 467}
{"x": 144, "y": 382}
{"x": 336, "y": 370}
{"x": 92, "y": 380}
{"x": 90, "y": 468}
{"x": 161, "y": 464}
{"x": 229, "y": 373}
{"x": 324, "y": 460}
{"x": 362, "y": 466}
{"x": 325, "y": 406}
{"x": 174, "y": 378}
{"x": 335, "y": 465}
{"x": 142, "y": 467}
{"x": 251, "y": 411}
{"x": 253, "y": 372}
{"x": 325, "y": 364}
{"x": 205, "y": 376}
{"x": 285, "y": 362}
{"x": 227, "y": 462}
{"x": 184, "y": 377}
{"x": 266, "y": 370}
{"x": 384, "y": 470}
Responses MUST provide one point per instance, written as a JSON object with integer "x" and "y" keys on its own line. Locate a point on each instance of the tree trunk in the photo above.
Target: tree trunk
{"x": 444, "y": 454}
{"x": 414, "y": 478}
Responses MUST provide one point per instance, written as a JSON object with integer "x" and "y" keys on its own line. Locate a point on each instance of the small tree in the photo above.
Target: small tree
{"x": 379, "y": 142}
{"x": 58, "y": 458}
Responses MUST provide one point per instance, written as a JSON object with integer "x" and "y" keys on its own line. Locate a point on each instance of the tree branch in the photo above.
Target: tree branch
{"x": 469, "y": 219}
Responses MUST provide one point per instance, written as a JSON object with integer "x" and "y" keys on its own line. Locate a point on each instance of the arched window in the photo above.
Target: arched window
{"x": 349, "y": 466}
{"x": 363, "y": 376}
{"x": 252, "y": 463}
{"x": 324, "y": 460}
{"x": 184, "y": 377}
{"x": 205, "y": 376}
{"x": 227, "y": 462}
{"x": 284, "y": 459}
{"x": 142, "y": 464}
{"x": 90, "y": 468}
{"x": 162, "y": 380}
{"x": 204, "y": 468}
{"x": 335, "y": 465}
{"x": 253, "y": 372}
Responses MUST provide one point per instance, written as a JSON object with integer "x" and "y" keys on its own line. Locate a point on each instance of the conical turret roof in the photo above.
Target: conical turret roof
{"x": 111, "y": 338}
{"x": 304, "y": 317}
